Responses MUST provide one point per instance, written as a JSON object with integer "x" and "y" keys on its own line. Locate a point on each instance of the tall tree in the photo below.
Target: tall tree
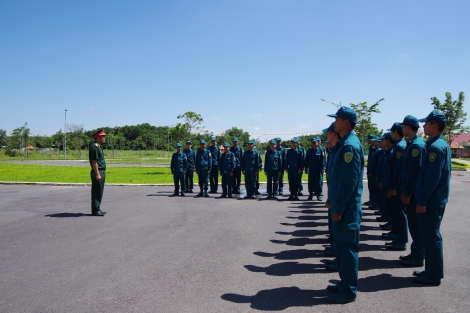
{"x": 3, "y": 137}
{"x": 228, "y": 135}
{"x": 20, "y": 136}
{"x": 192, "y": 120}
{"x": 364, "y": 118}
{"x": 455, "y": 115}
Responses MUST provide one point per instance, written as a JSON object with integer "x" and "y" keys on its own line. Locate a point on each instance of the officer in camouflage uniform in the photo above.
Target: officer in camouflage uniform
{"x": 98, "y": 172}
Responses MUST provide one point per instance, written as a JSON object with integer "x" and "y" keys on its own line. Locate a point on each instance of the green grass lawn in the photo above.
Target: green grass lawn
{"x": 458, "y": 165}
{"x": 79, "y": 174}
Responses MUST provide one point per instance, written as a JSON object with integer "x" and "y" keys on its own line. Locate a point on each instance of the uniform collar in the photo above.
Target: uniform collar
{"x": 343, "y": 139}
{"x": 432, "y": 140}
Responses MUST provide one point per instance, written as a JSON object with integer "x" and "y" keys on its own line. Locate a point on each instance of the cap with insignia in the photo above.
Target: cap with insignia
{"x": 189, "y": 142}
{"x": 272, "y": 142}
{"x": 250, "y": 142}
{"x": 178, "y": 145}
{"x": 235, "y": 139}
{"x": 294, "y": 140}
{"x": 99, "y": 133}
{"x": 202, "y": 142}
{"x": 411, "y": 120}
{"x": 227, "y": 145}
{"x": 278, "y": 139}
{"x": 214, "y": 138}
{"x": 346, "y": 113}
{"x": 434, "y": 116}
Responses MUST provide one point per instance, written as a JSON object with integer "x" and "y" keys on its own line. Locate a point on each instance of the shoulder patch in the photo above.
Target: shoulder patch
{"x": 96, "y": 144}
{"x": 415, "y": 152}
{"x": 432, "y": 156}
{"x": 398, "y": 154}
{"x": 348, "y": 156}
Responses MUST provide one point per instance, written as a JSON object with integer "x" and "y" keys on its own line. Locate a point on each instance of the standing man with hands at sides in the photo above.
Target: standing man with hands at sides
{"x": 203, "y": 168}
{"x": 237, "y": 174}
{"x": 282, "y": 152}
{"x": 98, "y": 172}
{"x": 293, "y": 167}
{"x": 315, "y": 167}
{"x": 227, "y": 165}
{"x": 214, "y": 176}
{"x": 250, "y": 168}
{"x": 347, "y": 170}
{"x": 191, "y": 159}
{"x": 273, "y": 169}
{"x": 412, "y": 162}
{"x": 432, "y": 193}
{"x": 179, "y": 164}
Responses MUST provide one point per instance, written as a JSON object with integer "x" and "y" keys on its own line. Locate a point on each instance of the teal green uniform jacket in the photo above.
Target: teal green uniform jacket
{"x": 347, "y": 172}
{"x": 273, "y": 162}
{"x": 434, "y": 177}
{"x": 413, "y": 159}
{"x": 396, "y": 164}
{"x": 315, "y": 160}
{"x": 179, "y": 162}
{"x": 190, "y": 157}
{"x": 227, "y": 163}
{"x": 294, "y": 160}
{"x": 329, "y": 164}
{"x": 250, "y": 161}
{"x": 215, "y": 152}
{"x": 203, "y": 160}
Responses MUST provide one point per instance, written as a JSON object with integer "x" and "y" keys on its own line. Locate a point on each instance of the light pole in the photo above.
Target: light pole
{"x": 336, "y": 105}
{"x": 65, "y": 135}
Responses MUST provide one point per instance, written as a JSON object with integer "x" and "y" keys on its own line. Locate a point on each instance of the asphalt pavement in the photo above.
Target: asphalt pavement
{"x": 155, "y": 253}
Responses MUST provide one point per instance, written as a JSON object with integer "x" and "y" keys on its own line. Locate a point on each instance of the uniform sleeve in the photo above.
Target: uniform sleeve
{"x": 185, "y": 162}
{"x": 172, "y": 165}
{"x": 432, "y": 173}
{"x": 397, "y": 167}
{"x": 415, "y": 161}
{"x": 323, "y": 161}
{"x": 243, "y": 162}
{"x": 257, "y": 164}
{"x": 350, "y": 170}
{"x": 209, "y": 160}
{"x": 233, "y": 161}
{"x": 94, "y": 152}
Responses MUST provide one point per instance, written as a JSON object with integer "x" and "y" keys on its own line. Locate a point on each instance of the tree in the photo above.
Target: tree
{"x": 3, "y": 137}
{"x": 20, "y": 137}
{"x": 192, "y": 119}
{"x": 455, "y": 115}
{"x": 227, "y": 136}
{"x": 364, "y": 118}
{"x": 76, "y": 137}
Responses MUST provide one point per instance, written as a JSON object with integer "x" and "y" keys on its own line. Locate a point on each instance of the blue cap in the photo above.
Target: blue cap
{"x": 202, "y": 142}
{"x": 396, "y": 127}
{"x": 272, "y": 142}
{"x": 314, "y": 139}
{"x": 346, "y": 113}
{"x": 278, "y": 139}
{"x": 226, "y": 144}
{"x": 178, "y": 145}
{"x": 214, "y": 138}
{"x": 235, "y": 139}
{"x": 411, "y": 120}
{"x": 331, "y": 128}
{"x": 189, "y": 142}
{"x": 294, "y": 140}
{"x": 370, "y": 136}
{"x": 435, "y": 116}
{"x": 318, "y": 138}
{"x": 250, "y": 142}
{"x": 387, "y": 135}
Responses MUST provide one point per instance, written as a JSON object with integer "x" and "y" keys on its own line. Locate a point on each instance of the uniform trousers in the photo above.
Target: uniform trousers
{"x": 214, "y": 178}
{"x": 429, "y": 224}
{"x": 293, "y": 176}
{"x": 203, "y": 177}
{"x": 226, "y": 184}
{"x": 281, "y": 182}
{"x": 189, "y": 178}
{"x": 250, "y": 183}
{"x": 315, "y": 182}
{"x": 97, "y": 189}
{"x": 273, "y": 181}
{"x": 346, "y": 233}
{"x": 417, "y": 250}
{"x": 178, "y": 178}
{"x": 236, "y": 179}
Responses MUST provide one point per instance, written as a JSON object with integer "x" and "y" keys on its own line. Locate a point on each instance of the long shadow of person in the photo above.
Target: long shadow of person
{"x": 384, "y": 281}
{"x": 291, "y": 254}
{"x": 303, "y": 233}
{"x": 308, "y": 217}
{"x": 300, "y": 242}
{"x": 305, "y": 224}
{"x": 67, "y": 214}
{"x": 288, "y": 269}
{"x": 279, "y": 299}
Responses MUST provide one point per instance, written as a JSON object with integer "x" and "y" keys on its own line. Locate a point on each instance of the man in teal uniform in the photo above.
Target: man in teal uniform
{"x": 259, "y": 171}
{"x": 98, "y": 172}
{"x": 191, "y": 159}
{"x": 203, "y": 168}
{"x": 412, "y": 162}
{"x": 250, "y": 168}
{"x": 397, "y": 210}
{"x": 283, "y": 152}
{"x": 347, "y": 172}
{"x": 227, "y": 165}
{"x": 370, "y": 180}
{"x": 237, "y": 174}
{"x": 214, "y": 176}
{"x": 179, "y": 165}
{"x": 315, "y": 167}
{"x": 272, "y": 169}
{"x": 293, "y": 167}
{"x": 432, "y": 193}
{"x": 303, "y": 152}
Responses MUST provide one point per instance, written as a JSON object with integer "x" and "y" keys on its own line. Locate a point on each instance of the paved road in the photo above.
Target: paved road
{"x": 154, "y": 253}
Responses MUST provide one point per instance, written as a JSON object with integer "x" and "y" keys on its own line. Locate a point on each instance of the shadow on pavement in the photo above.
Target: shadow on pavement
{"x": 384, "y": 282}
{"x": 291, "y": 254}
{"x": 299, "y": 242}
{"x": 279, "y": 299}
{"x": 67, "y": 214}
{"x": 288, "y": 269}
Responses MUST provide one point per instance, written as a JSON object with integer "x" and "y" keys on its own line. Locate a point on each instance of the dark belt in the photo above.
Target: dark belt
{"x": 102, "y": 169}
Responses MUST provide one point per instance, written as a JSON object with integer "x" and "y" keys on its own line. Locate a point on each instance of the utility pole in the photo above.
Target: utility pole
{"x": 65, "y": 135}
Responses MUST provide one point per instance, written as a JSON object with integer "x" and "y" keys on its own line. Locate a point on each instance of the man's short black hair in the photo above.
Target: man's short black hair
{"x": 413, "y": 128}
{"x": 440, "y": 126}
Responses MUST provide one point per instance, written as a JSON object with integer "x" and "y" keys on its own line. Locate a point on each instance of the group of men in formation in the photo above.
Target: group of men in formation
{"x": 408, "y": 183}
{"x": 208, "y": 163}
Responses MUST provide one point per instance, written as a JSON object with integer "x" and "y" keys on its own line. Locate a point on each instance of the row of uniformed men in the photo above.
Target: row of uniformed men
{"x": 233, "y": 161}
{"x": 409, "y": 186}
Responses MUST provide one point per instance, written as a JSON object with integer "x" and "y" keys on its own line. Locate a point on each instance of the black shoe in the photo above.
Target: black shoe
{"x": 99, "y": 213}
{"x": 206, "y": 195}
{"x": 332, "y": 288}
{"x": 174, "y": 195}
{"x": 300, "y": 193}
{"x": 223, "y": 196}
{"x": 246, "y": 197}
{"x": 319, "y": 198}
{"x": 405, "y": 257}
{"x": 199, "y": 194}
{"x": 411, "y": 263}
{"x": 253, "y": 197}
{"x": 230, "y": 196}
{"x": 183, "y": 194}
{"x": 310, "y": 198}
{"x": 275, "y": 198}
{"x": 290, "y": 198}
{"x": 257, "y": 193}
{"x": 423, "y": 280}
{"x": 190, "y": 191}
{"x": 237, "y": 192}
{"x": 296, "y": 198}
{"x": 281, "y": 193}
{"x": 419, "y": 273}
{"x": 339, "y": 299}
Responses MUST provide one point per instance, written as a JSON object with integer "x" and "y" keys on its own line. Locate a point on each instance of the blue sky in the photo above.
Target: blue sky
{"x": 259, "y": 65}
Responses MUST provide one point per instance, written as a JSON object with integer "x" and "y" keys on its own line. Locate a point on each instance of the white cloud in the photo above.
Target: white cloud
{"x": 256, "y": 128}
